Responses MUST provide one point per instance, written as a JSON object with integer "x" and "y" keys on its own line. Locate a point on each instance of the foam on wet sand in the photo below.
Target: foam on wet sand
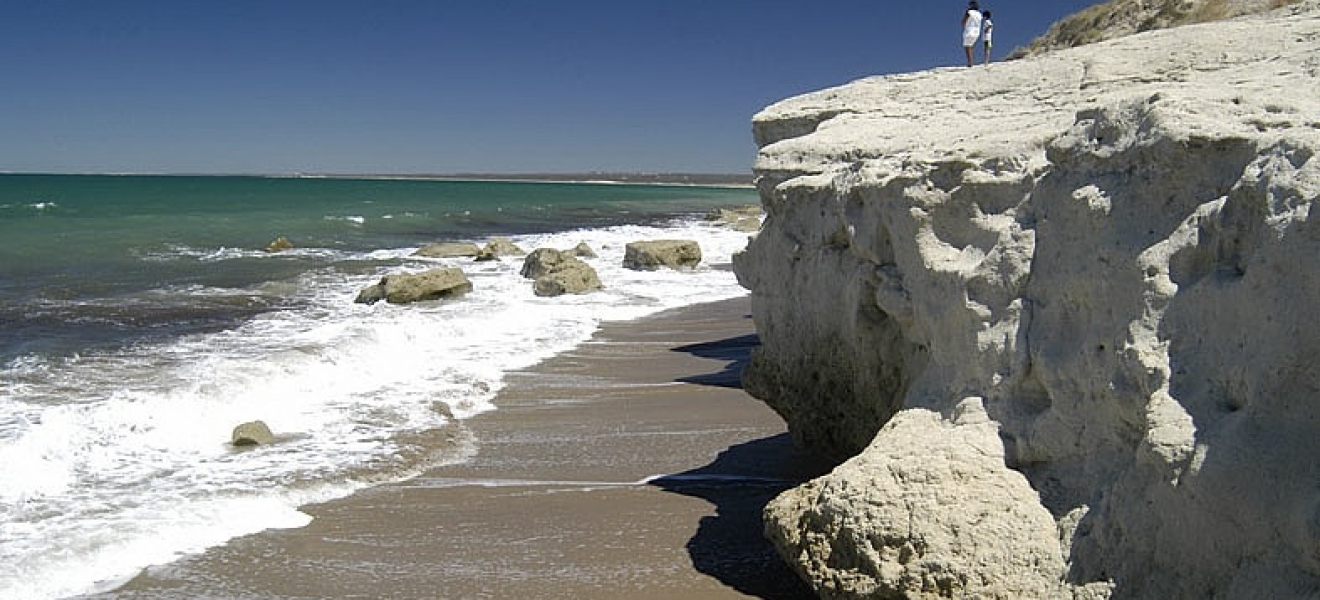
{"x": 633, "y": 466}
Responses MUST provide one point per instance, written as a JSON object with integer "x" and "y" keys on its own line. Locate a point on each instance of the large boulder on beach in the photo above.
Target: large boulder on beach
{"x": 404, "y": 288}
{"x": 976, "y": 523}
{"x": 448, "y": 250}
{"x": 499, "y": 247}
{"x": 579, "y": 280}
{"x": 556, "y": 272}
{"x": 656, "y": 254}
{"x": 252, "y": 433}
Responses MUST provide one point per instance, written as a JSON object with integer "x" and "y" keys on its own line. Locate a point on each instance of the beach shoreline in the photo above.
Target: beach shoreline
{"x": 633, "y": 465}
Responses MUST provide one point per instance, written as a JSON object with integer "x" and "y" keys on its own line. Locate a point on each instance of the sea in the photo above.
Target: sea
{"x": 142, "y": 319}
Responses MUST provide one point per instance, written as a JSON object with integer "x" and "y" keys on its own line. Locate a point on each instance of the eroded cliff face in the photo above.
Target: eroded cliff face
{"x": 1054, "y": 318}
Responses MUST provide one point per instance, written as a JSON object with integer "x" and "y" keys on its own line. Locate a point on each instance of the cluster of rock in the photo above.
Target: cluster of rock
{"x": 1051, "y": 319}
{"x": 556, "y": 272}
{"x": 553, "y": 272}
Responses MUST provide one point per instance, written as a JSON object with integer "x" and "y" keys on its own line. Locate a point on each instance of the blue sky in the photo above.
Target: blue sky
{"x": 285, "y": 86}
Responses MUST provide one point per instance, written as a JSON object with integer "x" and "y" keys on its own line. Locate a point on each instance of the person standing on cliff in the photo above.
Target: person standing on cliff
{"x": 971, "y": 25}
{"x": 987, "y": 30}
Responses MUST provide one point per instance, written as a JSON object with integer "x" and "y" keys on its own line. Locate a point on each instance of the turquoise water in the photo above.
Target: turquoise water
{"x": 141, "y": 319}
{"x": 89, "y": 260}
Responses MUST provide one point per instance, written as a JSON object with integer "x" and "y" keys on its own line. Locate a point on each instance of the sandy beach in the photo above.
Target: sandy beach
{"x": 633, "y": 466}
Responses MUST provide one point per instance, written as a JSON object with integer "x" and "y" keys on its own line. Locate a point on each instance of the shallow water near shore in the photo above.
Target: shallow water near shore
{"x": 563, "y": 498}
{"x": 142, "y": 321}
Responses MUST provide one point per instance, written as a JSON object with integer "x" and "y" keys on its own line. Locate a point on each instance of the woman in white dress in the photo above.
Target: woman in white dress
{"x": 971, "y": 24}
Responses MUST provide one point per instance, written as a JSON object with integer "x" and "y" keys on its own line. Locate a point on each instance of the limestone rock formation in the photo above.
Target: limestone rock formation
{"x": 252, "y": 433}
{"x": 497, "y": 248}
{"x": 405, "y": 288}
{"x": 1052, "y": 318}
{"x": 656, "y": 254}
{"x": 557, "y": 272}
{"x": 449, "y": 250}
{"x": 952, "y": 517}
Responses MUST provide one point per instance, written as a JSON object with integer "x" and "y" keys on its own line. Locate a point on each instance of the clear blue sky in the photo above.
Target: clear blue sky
{"x": 440, "y": 86}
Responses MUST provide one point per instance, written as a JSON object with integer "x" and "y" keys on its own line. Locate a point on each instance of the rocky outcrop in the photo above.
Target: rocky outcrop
{"x": 557, "y": 272}
{"x": 449, "y": 250}
{"x": 657, "y": 254}
{"x": 1051, "y": 318}
{"x": 739, "y": 218}
{"x": 405, "y": 288}
{"x": 499, "y": 247}
{"x": 1119, "y": 18}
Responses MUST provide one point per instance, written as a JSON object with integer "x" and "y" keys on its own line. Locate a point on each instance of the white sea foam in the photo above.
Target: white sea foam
{"x": 115, "y": 461}
{"x": 37, "y": 206}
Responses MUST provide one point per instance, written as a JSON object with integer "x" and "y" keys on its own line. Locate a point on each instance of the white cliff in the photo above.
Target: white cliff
{"x": 1055, "y": 319}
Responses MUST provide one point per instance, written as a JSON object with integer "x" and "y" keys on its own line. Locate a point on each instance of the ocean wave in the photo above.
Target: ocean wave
{"x": 30, "y": 207}
{"x": 175, "y": 253}
{"x": 126, "y": 448}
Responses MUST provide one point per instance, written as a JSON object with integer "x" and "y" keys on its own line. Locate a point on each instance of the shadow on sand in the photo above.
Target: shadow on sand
{"x": 735, "y": 350}
{"x": 730, "y": 546}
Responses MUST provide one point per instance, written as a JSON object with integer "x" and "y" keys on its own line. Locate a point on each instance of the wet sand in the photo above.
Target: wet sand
{"x": 631, "y": 467}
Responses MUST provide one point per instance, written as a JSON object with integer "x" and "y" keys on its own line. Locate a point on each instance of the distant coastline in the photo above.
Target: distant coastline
{"x": 693, "y": 179}
{"x": 738, "y": 180}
